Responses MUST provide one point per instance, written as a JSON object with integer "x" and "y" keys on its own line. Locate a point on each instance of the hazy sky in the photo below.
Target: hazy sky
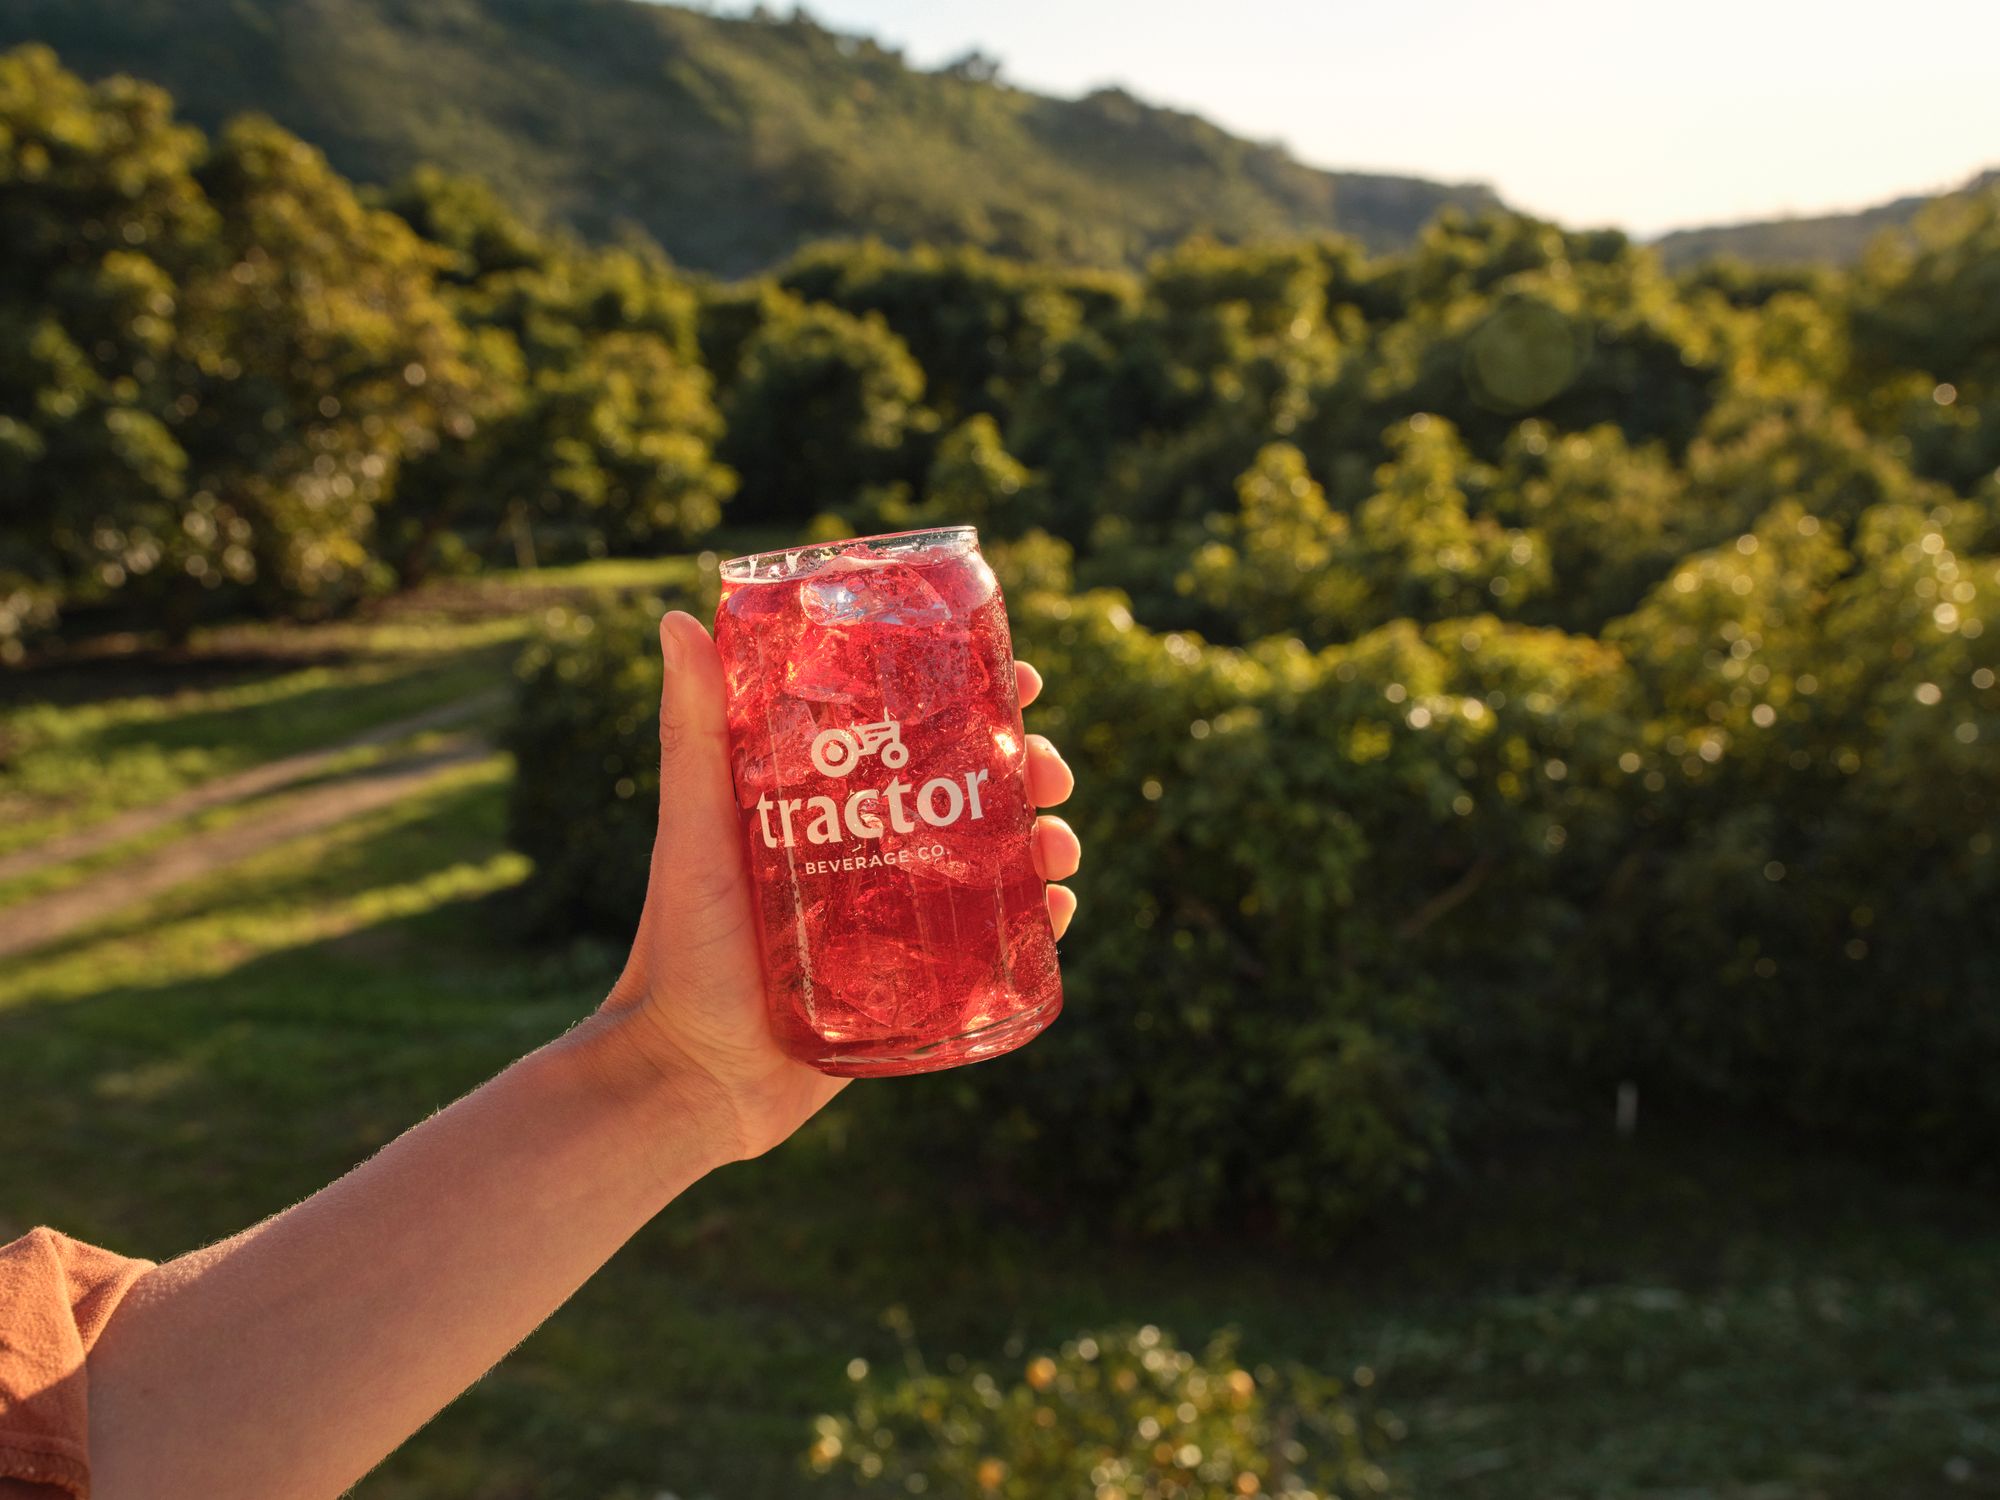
{"x": 1589, "y": 111}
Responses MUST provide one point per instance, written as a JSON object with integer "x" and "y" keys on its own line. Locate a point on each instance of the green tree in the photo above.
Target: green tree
{"x": 317, "y": 356}
{"x": 608, "y": 452}
{"x": 1283, "y": 562}
{"x": 974, "y": 479}
{"x": 824, "y": 406}
{"x": 598, "y": 425}
{"x": 468, "y": 218}
{"x": 1823, "y": 824}
{"x": 1926, "y": 337}
{"x": 221, "y": 359}
{"x": 1508, "y": 317}
{"x": 1613, "y": 518}
{"x": 981, "y": 328}
{"x": 1425, "y": 542}
{"x": 1932, "y": 303}
{"x": 101, "y": 221}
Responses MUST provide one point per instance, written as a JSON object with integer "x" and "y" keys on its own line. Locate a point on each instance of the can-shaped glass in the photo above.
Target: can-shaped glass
{"x": 881, "y": 777}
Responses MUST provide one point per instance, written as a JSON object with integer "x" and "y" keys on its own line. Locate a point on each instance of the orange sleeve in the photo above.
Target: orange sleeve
{"x": 55, "y": 1297}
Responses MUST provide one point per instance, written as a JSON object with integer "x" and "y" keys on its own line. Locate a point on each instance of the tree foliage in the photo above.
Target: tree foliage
{"x": 220, "y": 358}
{"x": 824, "y": 406}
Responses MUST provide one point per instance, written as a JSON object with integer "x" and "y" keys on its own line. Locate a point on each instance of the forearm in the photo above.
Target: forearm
{"x": 288, "y": 1361}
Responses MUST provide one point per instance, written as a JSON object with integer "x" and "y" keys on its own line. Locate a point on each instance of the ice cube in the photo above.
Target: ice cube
{"x": 831, "y": 667}
{"x": 755, "y": 776}
{"x": 770, "y": 743}
{"x": 892, "y": 675}
{"x": 857, "y": 591}
{"x": 965, "y": 584}
{"x": 863, "y": 984}
{"x": 1031, "y": 949}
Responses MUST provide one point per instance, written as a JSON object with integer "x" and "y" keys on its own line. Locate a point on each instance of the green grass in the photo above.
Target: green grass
{"x": 71, "y": 764}
{"x": 669, "y": 574}
{"x": 112, "y": 732}
{"x": 1699, "y": 1311}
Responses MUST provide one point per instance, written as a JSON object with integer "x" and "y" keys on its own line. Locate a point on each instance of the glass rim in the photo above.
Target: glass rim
{"x": 743, "y": 569}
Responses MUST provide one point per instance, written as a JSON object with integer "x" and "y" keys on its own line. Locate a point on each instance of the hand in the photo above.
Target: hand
{"x": 691, "y": 999}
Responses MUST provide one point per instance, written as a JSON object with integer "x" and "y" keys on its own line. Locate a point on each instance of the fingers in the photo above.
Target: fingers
{"x": 1049, "y": 778}
{"x": 1062, "y": 907}
{"x": 1058, "y": 851}
{"x": 698, "y": 835}
{"x": 1027, "y": 682}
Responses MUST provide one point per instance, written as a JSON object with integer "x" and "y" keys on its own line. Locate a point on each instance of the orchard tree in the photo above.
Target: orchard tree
{"x": 608, "y": 451}
{"x": 980, "y": 327}
{"x": 1613, "y": 517}
{"x": 1427, "y": 542}
{"x": 219, "y": 359}
{"x": 975, "y": 480}
{"x": 317, "y": 355}
{"x": 1926, "y": 332}
{"x": 824, "y": 406}
{"x": 1823, "y": 824}
{"x": 101, "y": 224}
{"x": 599, "y": 428}
{"x": 1283, "y": 562}
{"x": 1932, "y": 303}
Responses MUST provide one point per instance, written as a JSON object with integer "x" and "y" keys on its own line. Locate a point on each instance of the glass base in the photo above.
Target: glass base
{"x": 934, "y": 1057}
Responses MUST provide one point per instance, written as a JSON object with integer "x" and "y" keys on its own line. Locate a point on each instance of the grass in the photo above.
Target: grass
{"x": 1695, "y": 1312}
{"x": 671, "y": 574}
{"x": 71, "y": 764}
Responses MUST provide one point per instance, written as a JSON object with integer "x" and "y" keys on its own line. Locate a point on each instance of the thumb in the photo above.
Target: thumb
{"x": 698, "y": 888}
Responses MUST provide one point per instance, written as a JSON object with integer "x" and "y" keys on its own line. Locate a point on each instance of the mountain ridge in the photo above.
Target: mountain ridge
{"x": 730, "y": 140}
{"x": 1804, "y": 239}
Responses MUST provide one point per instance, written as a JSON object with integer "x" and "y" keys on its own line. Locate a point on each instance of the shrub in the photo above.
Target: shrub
{"x": 1818, "y": 936}
{"x": 1282, "y": 848}
{"x": 1328, "y": 896}
{"x": 586, "y": 738}
{"x": 1326, "y": 891}
{"x": 1111, "y": 1415}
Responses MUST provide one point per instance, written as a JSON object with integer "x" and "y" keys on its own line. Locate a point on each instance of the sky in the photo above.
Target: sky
{"x": 1649, "y": 117}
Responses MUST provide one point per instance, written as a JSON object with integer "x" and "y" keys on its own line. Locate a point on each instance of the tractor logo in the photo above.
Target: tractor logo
{"x": 835, "y": 752}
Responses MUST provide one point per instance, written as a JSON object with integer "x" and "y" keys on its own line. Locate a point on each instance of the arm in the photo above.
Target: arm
{"x": 289, "y": 1360}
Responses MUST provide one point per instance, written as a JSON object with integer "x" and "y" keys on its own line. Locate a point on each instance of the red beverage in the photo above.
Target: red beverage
{"x": 876, "y": 745}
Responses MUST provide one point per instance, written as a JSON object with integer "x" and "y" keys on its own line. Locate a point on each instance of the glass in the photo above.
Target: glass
{"x": 881, "y": 775}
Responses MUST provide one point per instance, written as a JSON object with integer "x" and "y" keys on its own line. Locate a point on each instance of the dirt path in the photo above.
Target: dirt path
{"x": 42, "y": 920}
{"x": 254, "y": 782}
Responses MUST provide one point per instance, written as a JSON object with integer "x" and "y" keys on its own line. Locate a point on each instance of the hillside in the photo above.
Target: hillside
{"x": 1830, "y": 239}
{"x": 730, "y": 140}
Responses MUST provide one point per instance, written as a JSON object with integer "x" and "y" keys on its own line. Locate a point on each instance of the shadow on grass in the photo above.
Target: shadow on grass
{"x": 310, "y": 716}
{"x": 396, "y": 845}
{"x": 77, "y": 678}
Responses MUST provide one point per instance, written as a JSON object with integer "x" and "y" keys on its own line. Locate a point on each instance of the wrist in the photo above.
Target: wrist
{"x": 674, "y": 1109}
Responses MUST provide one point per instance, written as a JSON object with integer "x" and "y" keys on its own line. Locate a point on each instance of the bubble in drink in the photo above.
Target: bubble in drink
{"x": 877, "y": 748}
